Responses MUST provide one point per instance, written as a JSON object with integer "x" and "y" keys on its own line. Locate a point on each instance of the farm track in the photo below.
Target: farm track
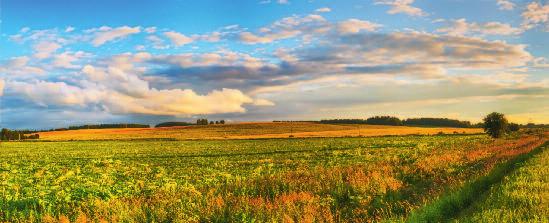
{"x": 455, "y": 203}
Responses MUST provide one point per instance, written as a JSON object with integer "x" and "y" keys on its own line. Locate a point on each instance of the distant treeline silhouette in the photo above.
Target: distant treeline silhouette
{"x": 173, "y": 124}
{"x": 390, "y": 120}
{"x": 7, "y": 135}
{"x": 444, "y": 122}
{"x": 201, "y": 121}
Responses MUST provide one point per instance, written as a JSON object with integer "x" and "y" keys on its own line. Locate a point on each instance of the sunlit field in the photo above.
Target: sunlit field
{"x": 250, "y": 131}
{"x": 521, "y": 197}
{"x": 260, "y": 180}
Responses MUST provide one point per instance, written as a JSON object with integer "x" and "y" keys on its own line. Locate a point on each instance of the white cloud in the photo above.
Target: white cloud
{"x": 178, "y": 39}
{"x": 43, "y": 50}
{"x": 157, "y": 42}
{"x": 461, "y": 27}
{"x": 2, "y": 83}
{"x": 535, "y": 14}
{"x": 18, "y": 67}
{"x": 150, "y": 101}
{"x": 263, "y": 102}
{"x": 287, "y": 28}
{"x": 355, "y": 25}
{"x": 66, "y": 59}
{"x": 52, "y": 93}
{"x": 211, "y": 37}
{"x": 106, "y": 34}
{"x": 323, "y": 10}
{"x": 69, "y": 29}
{"x": 401, "y": 6}
{"x": 505, "y": 5}
{"x": 151, "y": 29}
{"x": 541, "y": 62}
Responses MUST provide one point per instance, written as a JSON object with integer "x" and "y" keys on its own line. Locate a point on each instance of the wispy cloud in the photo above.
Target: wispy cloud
{"x": 106, "y": 34}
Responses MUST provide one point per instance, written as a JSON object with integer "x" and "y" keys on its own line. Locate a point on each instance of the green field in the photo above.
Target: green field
{"x": 264, "y": 180}
{"x": 522, "y": 196}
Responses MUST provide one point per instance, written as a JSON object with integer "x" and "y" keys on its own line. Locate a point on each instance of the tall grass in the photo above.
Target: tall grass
{"x": 521, "y": 197}
{"x": 451, "y": 205}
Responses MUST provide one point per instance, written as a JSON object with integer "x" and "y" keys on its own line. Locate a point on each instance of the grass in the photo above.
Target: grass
{"x": 247, "y": 131}
{"x": 262, "y": 180}
{"x": 451, "y": 205}
{"x": 522, "y": 196}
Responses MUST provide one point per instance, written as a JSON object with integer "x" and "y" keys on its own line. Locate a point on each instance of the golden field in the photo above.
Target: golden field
{"x": 252, "y": 130}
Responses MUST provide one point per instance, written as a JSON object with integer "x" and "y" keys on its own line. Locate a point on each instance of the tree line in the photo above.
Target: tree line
{"x": 205, "y": 122}
{"x": 391, "y": 120}
{"x": 201, "y": 121}
{"x": 7, "y": 135}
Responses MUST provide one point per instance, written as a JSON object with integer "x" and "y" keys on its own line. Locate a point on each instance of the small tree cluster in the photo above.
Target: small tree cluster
{"x": 7, "y": 135}
{"x": 202, "y": 121}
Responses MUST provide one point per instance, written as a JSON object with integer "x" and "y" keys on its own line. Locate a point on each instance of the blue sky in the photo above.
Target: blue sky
{"x": 82, "y": 62}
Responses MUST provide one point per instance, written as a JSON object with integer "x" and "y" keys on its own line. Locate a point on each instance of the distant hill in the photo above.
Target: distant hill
{"x": 173, "y": 124}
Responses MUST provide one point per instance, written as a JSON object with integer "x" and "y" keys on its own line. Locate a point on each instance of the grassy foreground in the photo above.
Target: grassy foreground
{"x": 522, "y": 196}
{"x": 451, "y": 205}
{"x": 255, "y": 130}
{"x": 274, "y": 180}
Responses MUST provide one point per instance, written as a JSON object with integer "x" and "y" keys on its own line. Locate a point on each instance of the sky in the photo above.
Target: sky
{"x": 110, "y": 61}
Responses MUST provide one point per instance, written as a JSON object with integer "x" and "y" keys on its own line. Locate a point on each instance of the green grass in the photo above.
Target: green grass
{"x": 522, "y": 196}
{"x": 272, "y": 180}
{"x": 451, "y": 205}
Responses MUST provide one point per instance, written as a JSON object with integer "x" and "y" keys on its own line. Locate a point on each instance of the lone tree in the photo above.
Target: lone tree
{"x": 495, "y": 124}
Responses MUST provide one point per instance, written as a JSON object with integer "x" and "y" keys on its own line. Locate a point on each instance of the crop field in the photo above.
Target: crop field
{"x": 261, "y": 180}
{"x": 521, "y": 197}
{"x": 248, "y": 131}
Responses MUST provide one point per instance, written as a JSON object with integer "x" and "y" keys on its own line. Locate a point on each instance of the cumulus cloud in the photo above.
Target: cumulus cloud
{"x": 401, "y": 6}
{"x": 46, "y": 93}
{"x": 356, "y": 25}
{"x": 19, "y": 67}
{"x": 461, "y": 27}
{"x": 106, "y": 34}
{"x": 178, "y": 39}
{"x": 43, "y": 50}
{"x": 534, "y": 15}
{"x": 66, "y": 59}
{"x": 118, "y": 92}
{"x": 505, "y": 5}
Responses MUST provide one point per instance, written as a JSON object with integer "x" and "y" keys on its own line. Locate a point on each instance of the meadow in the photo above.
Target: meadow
{"x": 266, "y": 130}
{"x": 353, "y": 179}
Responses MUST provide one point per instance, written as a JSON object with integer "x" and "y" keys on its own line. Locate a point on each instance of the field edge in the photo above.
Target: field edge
{"x": 453, "y": 203}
